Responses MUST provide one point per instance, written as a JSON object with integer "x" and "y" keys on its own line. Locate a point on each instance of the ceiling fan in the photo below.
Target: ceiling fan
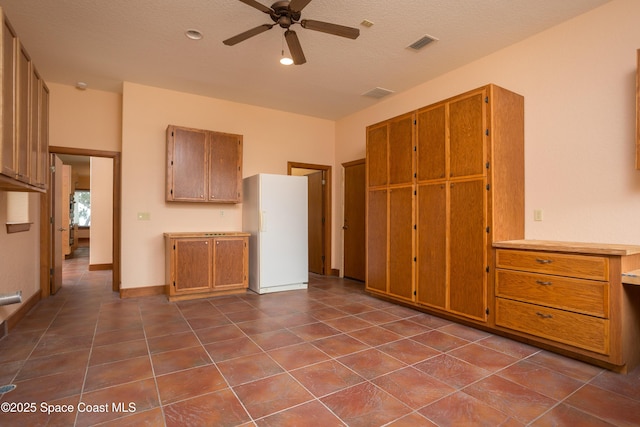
{"x": 285, "y": 14}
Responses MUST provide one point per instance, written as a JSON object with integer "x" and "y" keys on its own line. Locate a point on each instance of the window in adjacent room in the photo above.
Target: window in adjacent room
{"x": 82, "y": 208}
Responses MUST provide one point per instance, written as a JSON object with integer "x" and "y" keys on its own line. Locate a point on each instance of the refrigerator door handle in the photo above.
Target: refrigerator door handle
{"x": 263, "y": 221}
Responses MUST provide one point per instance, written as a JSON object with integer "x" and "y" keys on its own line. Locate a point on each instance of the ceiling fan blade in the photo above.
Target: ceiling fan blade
{"x": 260, "y": 7}
{"x": 294, "y": 47}
{"x": 326, "y": 27}
{"x": 247, "y": 34}
{"x": 298, "y": 5}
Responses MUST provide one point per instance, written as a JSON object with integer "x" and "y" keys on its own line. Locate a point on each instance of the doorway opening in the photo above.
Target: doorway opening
{"x": 50, "y": 273}
{"x": 319, "y": 214}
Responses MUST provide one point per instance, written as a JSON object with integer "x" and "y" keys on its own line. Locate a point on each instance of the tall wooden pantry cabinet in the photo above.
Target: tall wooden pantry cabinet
{"x": 443, "y": 183}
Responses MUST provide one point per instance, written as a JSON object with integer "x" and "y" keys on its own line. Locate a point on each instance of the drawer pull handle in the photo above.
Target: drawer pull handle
{"x": 543, "y": 283}
{"x": 544, "y": 261}
{"x": 544, "y": 316}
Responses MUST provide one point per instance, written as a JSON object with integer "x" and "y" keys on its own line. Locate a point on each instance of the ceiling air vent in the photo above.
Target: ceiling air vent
{"x": 422, "y": 42}
{"x": 378, "y": 93}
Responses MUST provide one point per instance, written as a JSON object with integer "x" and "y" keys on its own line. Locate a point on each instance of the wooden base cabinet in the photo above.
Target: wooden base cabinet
{"x": 200, "y": 265}
{"x": 443, "y": 183}
{"x": 570, "y": 298}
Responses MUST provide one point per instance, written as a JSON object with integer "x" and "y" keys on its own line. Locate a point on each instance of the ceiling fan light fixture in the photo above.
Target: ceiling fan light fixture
{"x": 285, "y": 60}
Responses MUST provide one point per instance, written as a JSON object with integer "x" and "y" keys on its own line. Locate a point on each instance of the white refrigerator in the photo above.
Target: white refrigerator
{"x": 274, "y": 211}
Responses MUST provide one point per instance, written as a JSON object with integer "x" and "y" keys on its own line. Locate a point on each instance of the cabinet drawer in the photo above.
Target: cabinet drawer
{"x": 580, "y": 266}
{"x": 583, "y": 296}
{"x": 579, "y": 330}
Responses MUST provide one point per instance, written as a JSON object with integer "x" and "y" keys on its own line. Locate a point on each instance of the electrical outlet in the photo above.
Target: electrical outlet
{"x": 537, "y": 215}
{"x": 221, "y": 212}
{"x": 144, "y": 216}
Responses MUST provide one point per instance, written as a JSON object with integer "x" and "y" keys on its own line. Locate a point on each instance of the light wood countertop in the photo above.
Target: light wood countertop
{"x": 208, "y": 234}
{"x": 573, "y": 247}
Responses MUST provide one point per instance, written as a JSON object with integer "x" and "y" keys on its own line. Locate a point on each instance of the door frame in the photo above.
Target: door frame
{"x": 45, "y": 228}
{"x": 326, "y": 194}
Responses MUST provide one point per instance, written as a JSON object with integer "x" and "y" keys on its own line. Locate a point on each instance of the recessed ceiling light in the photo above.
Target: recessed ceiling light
{"x": 81, "y": 85}
{"x": 193, "y": 34}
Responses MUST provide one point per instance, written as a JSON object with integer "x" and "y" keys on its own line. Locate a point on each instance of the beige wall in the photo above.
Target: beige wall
{"x": 19, "y": 256}
{"x": 578, "y": 83}
{"x": 101, "y": 232}
{"x": 89, "y": 119}
{"x": 271, "y": 138}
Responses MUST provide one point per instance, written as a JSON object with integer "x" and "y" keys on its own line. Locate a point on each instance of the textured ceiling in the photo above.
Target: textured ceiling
{"x": 106, "y": 42}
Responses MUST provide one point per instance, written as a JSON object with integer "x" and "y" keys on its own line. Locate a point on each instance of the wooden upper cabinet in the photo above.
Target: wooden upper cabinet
{"x": 187, "y": 167}
{"x": 225, "y": 172}
{"x": 467, "y": 131}
{"x": 401, "y": 143}
{"x": 377, "y": 139}
{"x": 7, "y": 155}
{"x": 638, "y": 112}
{"x": 24, "y": 106}
{"x": 432, "y": 143}
{"x": 203, "y": 166}
{"x": 23, "y": 84}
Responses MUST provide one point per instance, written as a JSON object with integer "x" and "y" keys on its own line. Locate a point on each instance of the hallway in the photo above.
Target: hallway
{"x": 331, "y": 355}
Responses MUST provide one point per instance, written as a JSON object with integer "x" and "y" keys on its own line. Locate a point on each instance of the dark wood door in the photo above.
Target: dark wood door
{"x": 316, "y": 222}
{"x": 56, "y": 226}
{"x": 354, "y": 220}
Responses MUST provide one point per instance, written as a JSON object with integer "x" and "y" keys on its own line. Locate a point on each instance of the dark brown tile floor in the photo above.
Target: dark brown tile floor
{"x": 330, "y": 355}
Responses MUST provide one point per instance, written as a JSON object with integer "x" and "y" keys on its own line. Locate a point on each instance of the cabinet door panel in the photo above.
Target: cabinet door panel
{"x": 431, "y": 143}
{"x": 228, "y": 262}
{"x": 43, "y": 146}
{"x": 34, "y": 129}
{"x": 225, "y": 155}
{"x": 9, "y": 40}
{"x": 401, "y": 150}
{"x": 377, "y": 156}
{"x": 401, "y": 242}
{"x": 23, "y": 80}
{"x": 192, "y": 265}
{"x": 377, "y": 240}
{"x": 187, "y": 165}
{"x": 467, "y": 133}
{"x": 432, "y": 245}
{"x": 468, "y": 276}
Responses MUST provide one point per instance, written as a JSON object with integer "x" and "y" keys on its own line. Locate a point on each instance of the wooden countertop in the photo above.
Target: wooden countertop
{"x": 208, "y": 234}
{"x": 631, "y": 278}
{"x": 574, "y": 247}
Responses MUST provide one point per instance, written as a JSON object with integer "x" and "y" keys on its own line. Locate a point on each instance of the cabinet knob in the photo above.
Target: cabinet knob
{"x": 544, "y": 261}
{"x": 544, "y": 316}
{"x": 543, "y": 283}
